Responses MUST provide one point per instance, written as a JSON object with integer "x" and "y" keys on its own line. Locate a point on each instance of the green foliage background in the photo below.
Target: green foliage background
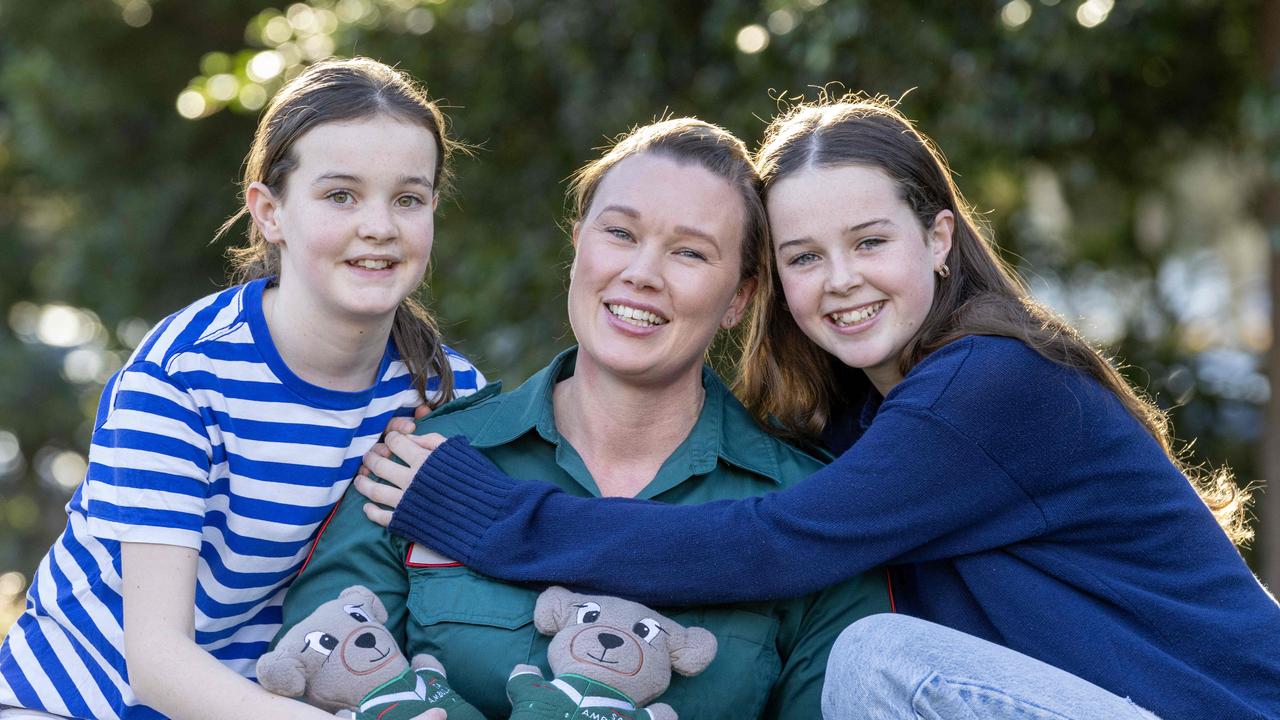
{"x": 109, "y": 198}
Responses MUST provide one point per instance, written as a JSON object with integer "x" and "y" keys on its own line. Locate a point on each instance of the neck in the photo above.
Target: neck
{"x": 623, "y": 431}
{"x": 333, "y": 353}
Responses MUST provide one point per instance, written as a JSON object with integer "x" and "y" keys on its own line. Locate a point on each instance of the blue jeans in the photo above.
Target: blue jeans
{"x": 890, "y": 667}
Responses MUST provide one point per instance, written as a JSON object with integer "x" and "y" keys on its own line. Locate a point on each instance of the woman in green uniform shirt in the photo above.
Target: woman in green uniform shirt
{"x": 668, "y": 239}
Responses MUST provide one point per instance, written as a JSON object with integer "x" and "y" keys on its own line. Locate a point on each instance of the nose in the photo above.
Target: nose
{"x": 644, "y": 269}
{"x": 376, "y": 224}
{"x": 609, "y": 641}
{"x": 366, "y": 640}
{"x": 842, "y": 276}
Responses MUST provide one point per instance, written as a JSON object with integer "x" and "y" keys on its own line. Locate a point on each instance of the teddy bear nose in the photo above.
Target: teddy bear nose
{"x": 609, "y": 640}
{"x": 367, "y": 640}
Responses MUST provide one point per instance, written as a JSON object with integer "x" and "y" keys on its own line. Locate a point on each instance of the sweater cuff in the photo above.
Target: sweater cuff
{"x": 453, "y": 500}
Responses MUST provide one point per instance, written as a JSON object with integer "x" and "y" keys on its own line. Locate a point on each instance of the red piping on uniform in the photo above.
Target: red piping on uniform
{"x": 888, "y": 581}
{"x": 323, "y": 526}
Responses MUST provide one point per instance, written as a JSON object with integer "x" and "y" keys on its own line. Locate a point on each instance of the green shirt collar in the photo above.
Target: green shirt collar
{"x": 724, "y": 430}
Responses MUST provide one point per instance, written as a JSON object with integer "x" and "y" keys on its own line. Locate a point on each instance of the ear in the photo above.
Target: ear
{"x": 282, "y": 673}
{"x": 264, "y": 207}
{"x": 554, "y": 609}
{"x": 435, "y": 201}
{"x": 738, "y": 306}
{"x": 577, "y": 228}
{"x": 363, "y": 595}
{"x": 940, "y": 234}
{"x": 693, "y": 652}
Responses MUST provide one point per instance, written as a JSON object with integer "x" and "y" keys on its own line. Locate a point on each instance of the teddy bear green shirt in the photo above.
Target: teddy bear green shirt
{"x": 568, "y": 696}
{"x": 413, "y": 693}
{"x": 772, "y": 655}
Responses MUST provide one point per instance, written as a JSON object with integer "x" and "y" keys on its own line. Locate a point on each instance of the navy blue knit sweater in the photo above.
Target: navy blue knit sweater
{"x": 1016, "y": 500}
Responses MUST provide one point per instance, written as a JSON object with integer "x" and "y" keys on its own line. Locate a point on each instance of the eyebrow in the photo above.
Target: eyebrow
{"x": 850, "y": 229}
{"x": 679, "y": 229}
{"x": 346, "y": 177}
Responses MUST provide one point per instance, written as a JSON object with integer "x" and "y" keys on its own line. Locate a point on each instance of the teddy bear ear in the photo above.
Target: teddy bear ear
{"x": 363, "y": 595}
{"x": 693, "y": 651}
{"x": 282, "y": 673}
{"x": 554, "y": 608}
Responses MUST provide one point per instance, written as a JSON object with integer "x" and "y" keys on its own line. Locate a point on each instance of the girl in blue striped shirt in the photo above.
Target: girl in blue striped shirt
{"x": 226, "y": 439}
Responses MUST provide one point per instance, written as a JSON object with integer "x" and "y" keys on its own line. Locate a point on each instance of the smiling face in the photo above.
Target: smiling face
{"x": 656, "y": 269}
{"x": 354, "y": 225}
{"x": 857, "y": 267}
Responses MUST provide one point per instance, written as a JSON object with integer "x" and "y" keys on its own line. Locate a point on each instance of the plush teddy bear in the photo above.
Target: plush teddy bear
{"x": 342, "y": 659}
{"x": 610, "y": 658}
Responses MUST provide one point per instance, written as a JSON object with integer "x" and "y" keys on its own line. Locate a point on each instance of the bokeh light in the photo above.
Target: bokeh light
{"x": 135, "y": 13}
{"x": 265, "y": 66}
{"x": 191, "y": 104}
{"x": 782, "y": 21}
{"x": 752, "y": 39}
{"x": 10, "y": 453}
{"x": 1093, "y": 13}
{"x": 1015, "y": 13}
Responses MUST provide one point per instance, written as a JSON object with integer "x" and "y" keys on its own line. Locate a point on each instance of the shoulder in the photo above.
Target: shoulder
{"x": 989, "y": 370}
{"x": 749, "y": 446}
{"x": 220, "y": 315}
{"x": 464, "y": 414}
{"x": 467, "y": 378}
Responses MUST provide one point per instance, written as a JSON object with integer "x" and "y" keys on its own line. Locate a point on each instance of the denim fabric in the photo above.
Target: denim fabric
{"x": 889, "y": 667}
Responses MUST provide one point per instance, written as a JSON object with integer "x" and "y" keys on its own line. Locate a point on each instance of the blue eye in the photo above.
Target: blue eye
{"x": 691, "y": 254}
{"x": 620, "y": 233}
{"x": 803, "y": 258}
{"x": 870, "y": 243}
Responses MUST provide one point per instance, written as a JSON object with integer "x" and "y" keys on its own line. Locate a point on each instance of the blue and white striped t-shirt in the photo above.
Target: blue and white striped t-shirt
{"x": 206, "y": 440}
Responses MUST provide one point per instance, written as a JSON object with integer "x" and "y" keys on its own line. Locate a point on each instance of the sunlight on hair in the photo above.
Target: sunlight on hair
{"x": 1093, "y": 13}
{"x": 1015, "y": 13}
{"x": 752, "y": 39}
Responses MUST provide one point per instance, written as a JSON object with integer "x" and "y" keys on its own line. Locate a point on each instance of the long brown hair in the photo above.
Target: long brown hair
{"x": 336, "y": 91}
{"x": 982, "y": 296}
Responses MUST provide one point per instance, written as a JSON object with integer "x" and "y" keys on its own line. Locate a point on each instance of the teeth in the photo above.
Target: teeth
{"x": 853, "y": 317}
{"x": 642, "y": 318}
{"x": 372, "y": 264}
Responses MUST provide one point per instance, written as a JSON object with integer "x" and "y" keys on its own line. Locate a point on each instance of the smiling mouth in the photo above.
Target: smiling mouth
{"x": 601, "y": 659}
{"x": 635, "y": 316}
{"x": 383, "y": 655}
{"x": 853, "y": 317}
{"x": 371, "y": 264}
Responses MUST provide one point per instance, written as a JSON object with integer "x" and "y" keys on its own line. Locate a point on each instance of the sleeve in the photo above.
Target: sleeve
{"x": 805, "y": 642}
{"x": 350, "y": 550}
{"x": 149, "y": 461}
{"x": 883, "y": 501}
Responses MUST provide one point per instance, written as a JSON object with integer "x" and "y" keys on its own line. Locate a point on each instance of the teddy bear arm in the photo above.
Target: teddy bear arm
{"x": 660, "y": 711}
{"x": 427, "y": 662}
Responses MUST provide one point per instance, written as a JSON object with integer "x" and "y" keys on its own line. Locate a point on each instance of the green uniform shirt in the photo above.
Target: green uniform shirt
{"x": 771, "y": 656}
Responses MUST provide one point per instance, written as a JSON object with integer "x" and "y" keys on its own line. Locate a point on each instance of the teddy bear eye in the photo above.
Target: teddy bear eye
{"x": 357, "y": 612}
{"x": 321, "y": 642}
{"x": 647, "y": 629}
{"x": 588, "y": 612}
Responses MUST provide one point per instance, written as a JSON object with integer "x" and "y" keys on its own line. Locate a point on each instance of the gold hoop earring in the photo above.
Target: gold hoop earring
{"x": 943, "y": 271}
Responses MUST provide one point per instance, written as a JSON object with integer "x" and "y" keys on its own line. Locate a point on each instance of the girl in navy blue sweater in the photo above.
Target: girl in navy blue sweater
{"x": 1049, "y": 555}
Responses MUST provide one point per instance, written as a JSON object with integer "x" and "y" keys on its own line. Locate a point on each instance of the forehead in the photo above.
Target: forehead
{"x": 375, "y": 146}
{"x": 666, "y": 190}
{"x": 818, "y": 199}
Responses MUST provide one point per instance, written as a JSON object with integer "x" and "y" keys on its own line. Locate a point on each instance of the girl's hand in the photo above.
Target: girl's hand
{"x": 411, "y": 449}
